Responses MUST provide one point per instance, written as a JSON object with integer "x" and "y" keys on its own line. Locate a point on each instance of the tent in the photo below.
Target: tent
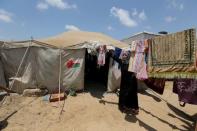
{"x": 53, "y": 62}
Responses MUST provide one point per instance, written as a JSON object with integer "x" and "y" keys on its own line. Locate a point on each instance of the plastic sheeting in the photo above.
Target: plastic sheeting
{"x": 47, "y": 68}
{"x": 26, "y": 77}
{"x": 40, "y": 68}
{"x": 2, "y": 77}
{"x": 73, "y": 67}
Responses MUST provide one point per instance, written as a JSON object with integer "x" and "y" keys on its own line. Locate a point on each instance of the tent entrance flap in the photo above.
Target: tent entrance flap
{"x": 94, "y": 73}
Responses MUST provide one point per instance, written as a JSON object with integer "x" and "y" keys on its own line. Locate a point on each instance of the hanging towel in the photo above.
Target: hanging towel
{"x": 101, "y": 56}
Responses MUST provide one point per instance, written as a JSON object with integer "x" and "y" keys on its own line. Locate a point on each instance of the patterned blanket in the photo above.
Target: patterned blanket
{"x": 173, "y": 55}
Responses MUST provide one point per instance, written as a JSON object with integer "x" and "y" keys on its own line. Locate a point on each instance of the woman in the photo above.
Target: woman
{"x": 128, "y": 99}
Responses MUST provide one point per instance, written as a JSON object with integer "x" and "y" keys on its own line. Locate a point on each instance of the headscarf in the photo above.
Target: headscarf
{"x": 125, "y": 56}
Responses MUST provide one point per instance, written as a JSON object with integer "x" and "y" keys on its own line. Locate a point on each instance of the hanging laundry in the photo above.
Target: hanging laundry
{"x": 92, "y": 48}
{"x": 140, "y": 47}
{"x": 131, "y": 60}
{"x": 136, "y": 58}
{"x": 117, "y": 53}
{"x": 146, "y": 45}
{"x": 142, "y": 73}
{"x": 137, "y": 62}
{"x": 133, "y": 46}
{"x": 116, "y": 70}
{"x": 186, "y": 90}
{"x": 196, "y": 60}
{"x": 101, "y": 55}
{"x": 155, "y": 84}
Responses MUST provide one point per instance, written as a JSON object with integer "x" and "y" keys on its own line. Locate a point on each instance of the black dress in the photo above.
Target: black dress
{"x": 128, "y": 88}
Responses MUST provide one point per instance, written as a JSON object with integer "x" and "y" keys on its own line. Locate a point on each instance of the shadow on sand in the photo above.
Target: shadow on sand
{"x": 4, "y": 123}
{"x": 182, "y": 115}
{"x": 96, "y": 89}
{"x": 134, "y": 119}
{"x": 130, "y": 117}
{"x": 189, "y": 128}
{"x": 145, "y": 92}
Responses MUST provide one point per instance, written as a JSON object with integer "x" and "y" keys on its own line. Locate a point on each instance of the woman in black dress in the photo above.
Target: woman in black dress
{"x": 128, "y": 99}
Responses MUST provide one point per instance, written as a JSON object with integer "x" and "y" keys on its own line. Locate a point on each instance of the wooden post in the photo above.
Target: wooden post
{"x": 60, "y": 71}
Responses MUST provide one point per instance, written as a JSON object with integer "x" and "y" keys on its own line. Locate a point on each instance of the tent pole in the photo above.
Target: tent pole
{"x": 60, "y": 70}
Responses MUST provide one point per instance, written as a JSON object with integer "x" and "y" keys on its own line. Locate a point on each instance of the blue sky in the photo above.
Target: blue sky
{"x": 21, "y": 19}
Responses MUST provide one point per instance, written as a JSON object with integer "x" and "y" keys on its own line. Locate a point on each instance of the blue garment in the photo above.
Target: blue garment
{"x": 117, "y": 52}
{"x": 146, "y": 58}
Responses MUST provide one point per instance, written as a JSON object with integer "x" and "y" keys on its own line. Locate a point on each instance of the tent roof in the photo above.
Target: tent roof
{"x": 72, "y": 38}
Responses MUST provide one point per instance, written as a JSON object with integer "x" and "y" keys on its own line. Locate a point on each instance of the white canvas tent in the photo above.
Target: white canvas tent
{"x": 43, "y": 63}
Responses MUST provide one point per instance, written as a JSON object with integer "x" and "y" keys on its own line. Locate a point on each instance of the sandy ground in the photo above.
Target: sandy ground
{"x": 94, "y": 110}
